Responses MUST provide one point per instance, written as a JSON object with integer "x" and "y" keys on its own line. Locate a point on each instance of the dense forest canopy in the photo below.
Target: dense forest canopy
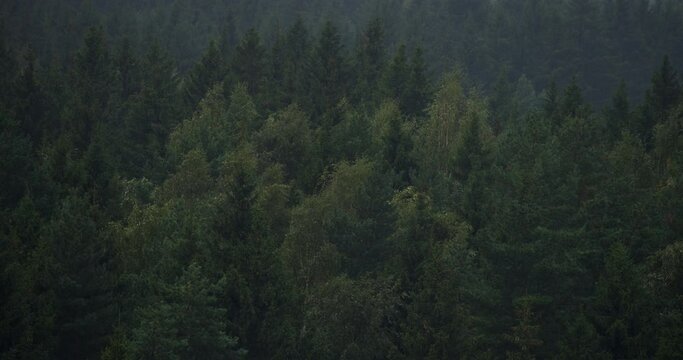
{"x": 600, "y": 42}
{"x": 290, "y": 179}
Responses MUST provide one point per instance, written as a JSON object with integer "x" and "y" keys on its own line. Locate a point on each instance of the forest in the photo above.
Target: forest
{"x": 341, "y": 179}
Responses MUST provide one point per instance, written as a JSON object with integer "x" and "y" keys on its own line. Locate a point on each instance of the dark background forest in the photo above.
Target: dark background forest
{"x": 290, "y": 179}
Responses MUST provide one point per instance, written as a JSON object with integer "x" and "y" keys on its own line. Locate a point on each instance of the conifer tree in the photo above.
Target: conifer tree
{"x": 418, "y": 92}
{"x": 396, "y": 78}
{"x": 298, "y": 66}
{"x": 619, "y": 113}
{"x": 621, "y": 307}
{"x": 206, "y": 73}
{"x": 31, "y": 105}
{"x": 92, "y": 85}
{"x": 370, "y": 62}
{"x": 84, "y": 283}
{"x": 330, "y": 70}
{"x": 248, "y": 62}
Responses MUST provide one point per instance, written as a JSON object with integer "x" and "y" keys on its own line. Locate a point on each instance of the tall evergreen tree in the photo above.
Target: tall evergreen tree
{"x": 127, "y": 70}
{"x": 619, "y": 113}
{"x": 621, "y": 307}
{"x": 84, "y": 286}
{"x": 92, "y": 83}
{"x": 207, "y": 72}
{"x": 418, "y": 92}
{"x": 248, "y": 62}
{"x": 31, "y": 105}
{"x": 185, "y": 323}
{"x": 396, "y": 78}
{"x": 665, "y": 91}
{"x": 370, "y": 61}
{"x": 330, "y": 70}
{"x": 298, "y": 66}
{"x": 8, "y": 63}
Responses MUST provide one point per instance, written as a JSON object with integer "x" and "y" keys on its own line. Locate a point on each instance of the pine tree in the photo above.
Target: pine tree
{"x": 418, "y": 92}
{"x": 84, "y": 283}
{"x": 619, "y": 114}
{"x": 242, "y": 114}
{"x": 9, "y": 65}
{"x": 127, "y": 68}
{"x": 27, "y": 326}
{"x": 248, "y": 62}
{"x": 667, "y": 275}
{"x": 159, "y": 96}
{"x": 370, "y": 61}
{"x": 31, "y": 106}
{"x": 185, "y": 322}
{"x": 396, "y": 78}
{"x": 660, "y": 99}
{"x": 210, "y": 129}
{"x": 665, "y": 91}
{"x": 286, "y": 138}
{"x": 524, "y": 335}
{"x": 572, "y": 102}
{"x": 621, "y": 307}
{"x": 394, "y": 142}
{"x": 330, "y": 72}
{"x": 277, "y": 62}
{"x": 206, "y": 73}
{"x": 298, "y": 66}
{"x": 228, "y": 35}
{"x": 581, "y": 341}
{"x": 551, "y": 101}
{"x": 15, "y": 161}
{"x": 502, "y": 102}
{"x": 92, "y": 87}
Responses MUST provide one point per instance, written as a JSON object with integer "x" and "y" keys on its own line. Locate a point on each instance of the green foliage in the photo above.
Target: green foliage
{"x": 242, "y": 113}
{"x": 184, "y": 323}
{"x": 282, "y": 198}
{"x": 396, "y": 77}
{"x": 84, "y": 286}
{"x": 91, "y": 86}
{"x": 191, "y": 181}
{"x": 206, "y": 73}
{"x": 28, "y": 302}
{"x": 15, "y": 160}
{"x": 209, "y": 129}
{"x": 153, "y": 113}
{"x": 582, "y": 341}
{"x": 394, "y": 141}
{"x": 248, "y": 62}
{"x": 329, "y": 70}
{"x": 621, "y": 306}
{"x": 665, "y": 278}
{"x": 419, "y": 92}
{"x": 619, "y": 113}
{"x": 351, "y": 319}
{"x": 524, "y": 335}
{"x": 370, "y": 62}
{"x": 287, "y": 139}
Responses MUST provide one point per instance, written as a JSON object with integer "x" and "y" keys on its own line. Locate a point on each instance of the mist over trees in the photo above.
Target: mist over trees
{"x": 600, "y": 42}
{"x": 287, "y": 179}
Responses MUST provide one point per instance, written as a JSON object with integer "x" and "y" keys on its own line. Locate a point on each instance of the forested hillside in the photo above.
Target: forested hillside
{"x": 600, "y": 42}
{"x": 341, "y": 179}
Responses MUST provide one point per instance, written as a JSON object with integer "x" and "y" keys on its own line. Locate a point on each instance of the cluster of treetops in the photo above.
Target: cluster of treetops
{"x": 600, "y": 42}
{"x": 310, "y": 200}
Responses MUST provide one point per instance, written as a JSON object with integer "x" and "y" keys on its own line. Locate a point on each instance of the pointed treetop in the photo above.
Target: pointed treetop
{"x": 665, "y": 90}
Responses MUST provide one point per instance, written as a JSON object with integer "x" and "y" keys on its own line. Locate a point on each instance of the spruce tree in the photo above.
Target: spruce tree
{"x": 206, "y": 73}
{"x": 248, "y": 62}
{"x": 418, "y": 92}
{"x": 330, "y": 71}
